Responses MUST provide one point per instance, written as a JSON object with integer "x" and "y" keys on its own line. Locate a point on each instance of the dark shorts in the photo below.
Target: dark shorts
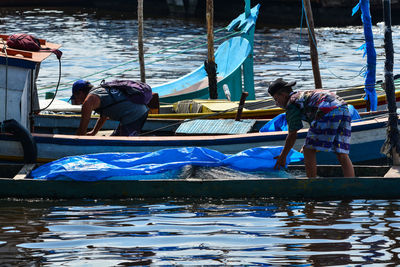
{"x": 132, "y": 128}
{"x": 331, "y": 133}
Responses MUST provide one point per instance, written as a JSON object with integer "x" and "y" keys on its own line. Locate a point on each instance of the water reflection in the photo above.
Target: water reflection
{"x": 200, "y": 232}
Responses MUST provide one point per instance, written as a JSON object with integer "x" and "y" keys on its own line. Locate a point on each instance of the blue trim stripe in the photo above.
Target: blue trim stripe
{"x": 26, "y": 64}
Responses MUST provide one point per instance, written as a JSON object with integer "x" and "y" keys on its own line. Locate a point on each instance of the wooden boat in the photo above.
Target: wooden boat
{"x": 263, "y": 108}
{"x": 370, "y": 133}
{"x": 19, "y": 100}
{"x": 219, "y": 109}
{"x": 371, "y": 183}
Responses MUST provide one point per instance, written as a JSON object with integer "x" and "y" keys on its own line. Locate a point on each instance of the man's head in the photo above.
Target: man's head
{"x": 80, "y": 89}
{"x": 280, "y": 91}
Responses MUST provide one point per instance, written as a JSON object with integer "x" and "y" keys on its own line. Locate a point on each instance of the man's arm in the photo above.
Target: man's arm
{"x": 289, "y": 143}
{"x": 91, "y": 102}
{"x": 100, "y": 122}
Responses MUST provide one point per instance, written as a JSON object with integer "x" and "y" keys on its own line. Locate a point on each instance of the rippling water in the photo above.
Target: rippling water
{"x": 96, "y": 42}
{"x": 168, "y": 232}
{"x": 203, "y": 232}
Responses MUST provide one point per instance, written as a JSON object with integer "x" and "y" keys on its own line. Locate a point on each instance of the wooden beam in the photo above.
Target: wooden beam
{"x": 16, "y": 52}
{"x": 392, "y": 139}
{"x": 140, "y": 41}
{"x": 313, "y": 44}
{"x": 210, "y": 65}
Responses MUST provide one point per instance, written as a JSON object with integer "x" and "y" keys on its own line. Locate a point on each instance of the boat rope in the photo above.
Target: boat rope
{"x": 58, "y": 84}
{"x": 134, "y": 60}
{"x": 146, "y": 56}
{"x": 304, "y": 15}
{"x": 4, "y": 50}
{"x": 377, "y": 116}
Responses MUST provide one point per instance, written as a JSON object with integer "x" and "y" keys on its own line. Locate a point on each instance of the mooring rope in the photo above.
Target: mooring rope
{"x": 303, "y": 14}
{"x": 146, "y": 56}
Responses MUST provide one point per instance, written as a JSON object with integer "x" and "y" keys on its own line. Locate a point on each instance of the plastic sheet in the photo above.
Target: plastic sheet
{"x": 163, "y": 164}
{"x": 278, "y": 123}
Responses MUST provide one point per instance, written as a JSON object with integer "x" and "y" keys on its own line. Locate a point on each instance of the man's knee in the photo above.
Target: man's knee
{"x": 342, "y": 157}
{"x": 309, "y": 151}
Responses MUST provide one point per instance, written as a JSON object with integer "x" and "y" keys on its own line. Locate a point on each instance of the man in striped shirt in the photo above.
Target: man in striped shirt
{"x": 329, "y": 119}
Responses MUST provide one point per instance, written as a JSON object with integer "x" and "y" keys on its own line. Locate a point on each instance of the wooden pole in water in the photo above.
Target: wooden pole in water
{"x": 140, "y": 40}
{"x": 210, "y": 66}
{"x": 391, "y": 144}
{"x": 313, "y": 44}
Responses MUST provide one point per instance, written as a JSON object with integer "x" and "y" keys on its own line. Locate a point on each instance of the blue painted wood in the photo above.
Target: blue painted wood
{"x": 370, "y": 134}
{"x": 229, "y": 58}
{"x": 21, "y": 63}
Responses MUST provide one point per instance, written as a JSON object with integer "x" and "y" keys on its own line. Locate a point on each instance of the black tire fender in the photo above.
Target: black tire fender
{"x": 26, "y": 139}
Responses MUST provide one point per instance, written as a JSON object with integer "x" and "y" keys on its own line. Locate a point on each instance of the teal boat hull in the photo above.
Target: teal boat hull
{"x": 328, "y": 188}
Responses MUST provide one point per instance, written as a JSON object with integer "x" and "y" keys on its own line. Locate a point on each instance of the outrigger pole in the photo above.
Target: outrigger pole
{"x": 313, "y": 43}
{"x": 209, "y": 65}
{"x": 391, "y": 147}
{"x": 140, "y": 40}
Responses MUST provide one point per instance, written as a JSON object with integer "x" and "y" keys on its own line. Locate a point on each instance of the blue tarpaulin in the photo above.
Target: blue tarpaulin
{"x": 278, "y": 123}
{"x": 162, "y": 164}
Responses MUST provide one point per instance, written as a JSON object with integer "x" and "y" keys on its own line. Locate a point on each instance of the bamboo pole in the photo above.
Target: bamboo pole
{"x": 313, "y": 44}
{"x": 392, "y": 144}
{"x": 210, "y": 66}
{"x": 140, "y": 41}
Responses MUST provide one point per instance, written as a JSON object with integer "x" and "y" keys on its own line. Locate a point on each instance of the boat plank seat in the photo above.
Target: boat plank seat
{"x": 25, "y": 170}
{"x": 221, "y": 126}
{"x": 394, "y": 172}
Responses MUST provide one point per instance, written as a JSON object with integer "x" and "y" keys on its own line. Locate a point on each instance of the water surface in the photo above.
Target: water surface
{"x": 95, "y": 45}
{"x": 206, "y": 232}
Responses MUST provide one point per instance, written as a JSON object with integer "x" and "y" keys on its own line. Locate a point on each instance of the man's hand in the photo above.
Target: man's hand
{"x": 281, "y": 159}
{"x": 280, "y": 162}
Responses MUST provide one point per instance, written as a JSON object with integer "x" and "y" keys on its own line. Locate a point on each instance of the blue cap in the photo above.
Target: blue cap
{"x": 79, "y": 85}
